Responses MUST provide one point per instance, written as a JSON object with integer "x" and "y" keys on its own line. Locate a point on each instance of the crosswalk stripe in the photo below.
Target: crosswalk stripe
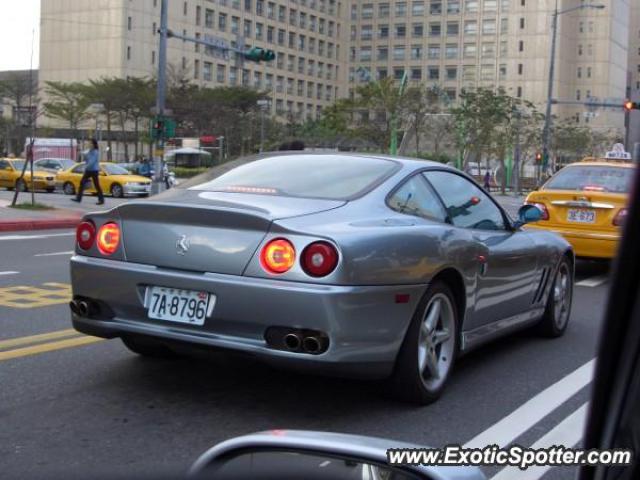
{"x": 593, "y": 281}
{"x": 567, "y": 433}
{"x": 531, "y": 412}
{"x": 48, "y": 347}
{"x": 32, "y": 339}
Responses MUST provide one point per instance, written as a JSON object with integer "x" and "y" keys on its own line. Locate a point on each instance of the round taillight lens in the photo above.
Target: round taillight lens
{"x": 278, "y": 256}
{"x": 620, "y": 217}
{"x": 85, "y": 235}
{"x": 319, "y": 259}
{"x": 108, "y": 238}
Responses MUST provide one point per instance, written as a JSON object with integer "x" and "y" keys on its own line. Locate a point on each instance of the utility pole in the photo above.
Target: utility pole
{"x": 263, "y": 104}
{"x": 516, "y": 156}
{"x": 546, "y": 133}
{"x": 161, "y": 92}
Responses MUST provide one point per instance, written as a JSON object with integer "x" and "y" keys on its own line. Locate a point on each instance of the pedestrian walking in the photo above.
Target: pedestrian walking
{"x": 487, "y": 181}
{"x": 91, "y": 172}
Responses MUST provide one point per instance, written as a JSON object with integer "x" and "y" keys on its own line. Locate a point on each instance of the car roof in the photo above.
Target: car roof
{"x": 603, "y": 162}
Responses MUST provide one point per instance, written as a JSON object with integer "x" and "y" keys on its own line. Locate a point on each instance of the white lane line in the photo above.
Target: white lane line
{"x": 593, "y": 281}
{"x": 31, "y": 237}
{"x": 71, "y": 252}
{"x": 9, "y": 272}
{"x": 567, "y": 433}
{"x": 531, "y": 412}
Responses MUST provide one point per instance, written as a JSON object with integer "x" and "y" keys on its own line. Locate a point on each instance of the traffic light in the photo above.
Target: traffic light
{"x": 629, "y": 105}
{"x": 257, "y": 54}
{"x": 538, "y": 157}
{"x": 157, "y": 128}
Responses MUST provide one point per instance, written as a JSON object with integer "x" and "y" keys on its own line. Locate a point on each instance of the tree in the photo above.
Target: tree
{"x": 67, "y": 102}
{"x": 418, "y": 107}
{"x": 19, "y": 90}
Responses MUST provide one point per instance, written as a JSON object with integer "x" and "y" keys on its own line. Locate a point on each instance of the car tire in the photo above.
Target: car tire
{"x": 69, "y": 189}
{"x": 148, "y": 348}
{"x": 558, "y": 309}
{"x": 429, "y": 349}
{"x": 21, "y": 186}
{"x": 117, "y": 191}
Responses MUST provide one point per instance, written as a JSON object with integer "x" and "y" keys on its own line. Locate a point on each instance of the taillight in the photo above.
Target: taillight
{"x": 278, "y": 256}
{"x": 543, "y": 208}
{"x": 108, "y": 238}
{"x": 620, "y": 217}
{"x": 85, "y": 235}
{"x": 319, "y": 259}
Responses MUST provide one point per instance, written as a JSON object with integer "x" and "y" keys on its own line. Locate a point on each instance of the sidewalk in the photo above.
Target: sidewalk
{"x": 65, "y": 213}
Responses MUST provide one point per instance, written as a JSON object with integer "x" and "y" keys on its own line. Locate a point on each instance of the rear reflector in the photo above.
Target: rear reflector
{"x": 278, "y": 256}
{"x": 108, "y": 238}
{"x": 85, "y": 235}
{"x": 319, "y": 259}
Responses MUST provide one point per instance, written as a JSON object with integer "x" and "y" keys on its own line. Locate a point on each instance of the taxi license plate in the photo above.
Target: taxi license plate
{"x": 182, "y": 306}
{"x": 579, "y": 215}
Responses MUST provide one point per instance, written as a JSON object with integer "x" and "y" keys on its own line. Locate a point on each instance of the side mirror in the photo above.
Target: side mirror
{"x": 528, "y": 214}
{"x": 292, "y": 455}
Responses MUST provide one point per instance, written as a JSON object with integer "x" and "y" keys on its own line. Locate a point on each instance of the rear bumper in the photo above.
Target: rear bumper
{"x": 586, "y": 244}
{"x": 364, "y": 324}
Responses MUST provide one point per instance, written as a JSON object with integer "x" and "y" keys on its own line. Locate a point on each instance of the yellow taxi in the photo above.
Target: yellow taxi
{"x": 10, "y": 170}
{"x": 114, "y": 180}
{"x": 586, "y": 203}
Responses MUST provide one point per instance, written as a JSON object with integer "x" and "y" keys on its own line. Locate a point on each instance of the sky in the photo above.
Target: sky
{"x": 18, "y": 20}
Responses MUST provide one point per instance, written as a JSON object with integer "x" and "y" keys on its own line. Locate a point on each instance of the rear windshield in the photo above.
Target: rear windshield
{"x": 592, "y": 178}
{"x": 332, "y": 177}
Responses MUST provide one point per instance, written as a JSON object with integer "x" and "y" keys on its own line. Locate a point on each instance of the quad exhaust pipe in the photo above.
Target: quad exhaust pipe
{"x": 292, "y": 341}
{"x": 311, "y": 344}
{"x": 297, "y": 340}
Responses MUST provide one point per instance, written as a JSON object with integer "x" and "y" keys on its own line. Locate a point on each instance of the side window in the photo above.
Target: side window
{"x": 415, "y": 197}
{"x": 467, "y": 205}
{"x": 79, "y": 169}
{"x": 3, "y": 165}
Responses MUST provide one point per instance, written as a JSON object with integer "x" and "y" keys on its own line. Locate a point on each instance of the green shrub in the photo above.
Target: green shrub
{"x": 188, "y": 172}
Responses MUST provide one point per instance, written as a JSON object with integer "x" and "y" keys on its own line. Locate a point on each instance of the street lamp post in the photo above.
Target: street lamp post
{"x": 546, "y": 133}
{"x": 263, "y": 104}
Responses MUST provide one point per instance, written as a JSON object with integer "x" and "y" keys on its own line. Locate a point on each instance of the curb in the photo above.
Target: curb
{"x": 19, "y": 225}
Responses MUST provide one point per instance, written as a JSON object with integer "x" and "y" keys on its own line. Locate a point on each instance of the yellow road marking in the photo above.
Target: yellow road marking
{"x": 48, "y": 347}
{"x": 32, "y": 339}
{"x": 21, "y": 296}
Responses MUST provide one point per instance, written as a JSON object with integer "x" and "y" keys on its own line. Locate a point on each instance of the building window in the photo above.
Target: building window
{"x": 383, "y": 31}
{"x": 490, "y": 5}
{"x": 367, "y": 11}
{"x": 221, "y": 73}
{"x": 435, "y": 7}
{"x": 383, "y": 53}
{"x": 470, "y": 27}
{"x": 416, "y": 52}
{"x": 488, "y": 50}
{"x": 417, "y": 8}
{"x": 196, "y": 69}
{"x": 416, "y": 73}
{"x": 489, "y": 26}
{"x": 198, "y": 15}
{"x": 521, "y": 23}
{"x": 208, "y": 18}
{"x": 470, "y": 50}
{"x": 433, "y": 52}
{"x": 383, "y": 10}
{"x": 502, "y": 71}
{"x": 154, "y": 28}
{"x": 453, "y": 7}
{"x": 520, "y": 69}
{"x": 222, "y": 22}
{"x": 401, "y": 9}
{"x": 434, "y": 73}
{"x": 398, "y": 73}
{"x": 153, "y": 57}
{"x": 452, "y": 73}
{"x": 128, "y": 53}
{"x": 207, "y": 71}
{"x": 129, "y": 23}
{"x": 435, "y": 29}
{"x": 398, "y": 52}
{"x": 184, "y": 8}
{"x": 401, "y": 31}
{"x": 451, "y": 51}
{"x": 471, "y": 6}
{"x": 521, "y": 46}
{"x": 579, "y": 72}
{"x": 418, "y": 30}
{"x": 453, "y": 28}
{"x": 519, "y": 94}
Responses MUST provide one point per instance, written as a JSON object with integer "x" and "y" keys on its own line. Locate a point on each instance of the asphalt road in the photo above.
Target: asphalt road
{"x": 72, "y": 407}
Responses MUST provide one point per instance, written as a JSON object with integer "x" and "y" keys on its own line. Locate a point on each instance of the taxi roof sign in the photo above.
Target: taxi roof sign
{"x": 618, "y": 152}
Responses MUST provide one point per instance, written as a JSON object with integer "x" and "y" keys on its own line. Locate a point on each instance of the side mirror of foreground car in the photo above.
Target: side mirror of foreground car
{"x": 292, "y": 455}
{"x": 528, "y": 214}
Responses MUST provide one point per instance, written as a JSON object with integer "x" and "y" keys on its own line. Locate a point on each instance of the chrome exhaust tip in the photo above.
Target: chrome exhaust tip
{"x": 73, "y": 305}
{"x": 292, "y": 341}
{"x": 83, "y": 308}
{"x": 311, "y": 345}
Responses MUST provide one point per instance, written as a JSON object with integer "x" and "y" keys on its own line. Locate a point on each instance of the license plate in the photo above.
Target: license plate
{"x": 581, "y": 215}
{"x": 182, "y": 306}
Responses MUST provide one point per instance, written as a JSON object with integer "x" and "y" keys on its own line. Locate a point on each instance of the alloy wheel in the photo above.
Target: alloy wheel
{"x": 437, "y": 341}
{"x": 562, "y": 296}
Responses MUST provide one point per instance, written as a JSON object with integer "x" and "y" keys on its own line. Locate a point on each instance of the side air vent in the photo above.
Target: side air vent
{"x": 544, "y": 279}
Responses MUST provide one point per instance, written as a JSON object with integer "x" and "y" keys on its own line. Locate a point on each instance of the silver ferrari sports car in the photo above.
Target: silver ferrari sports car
{"x": 341, "y": 264}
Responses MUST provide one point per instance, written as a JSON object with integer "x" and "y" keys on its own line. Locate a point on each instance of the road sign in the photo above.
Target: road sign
{"x": 162, "y": 127}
